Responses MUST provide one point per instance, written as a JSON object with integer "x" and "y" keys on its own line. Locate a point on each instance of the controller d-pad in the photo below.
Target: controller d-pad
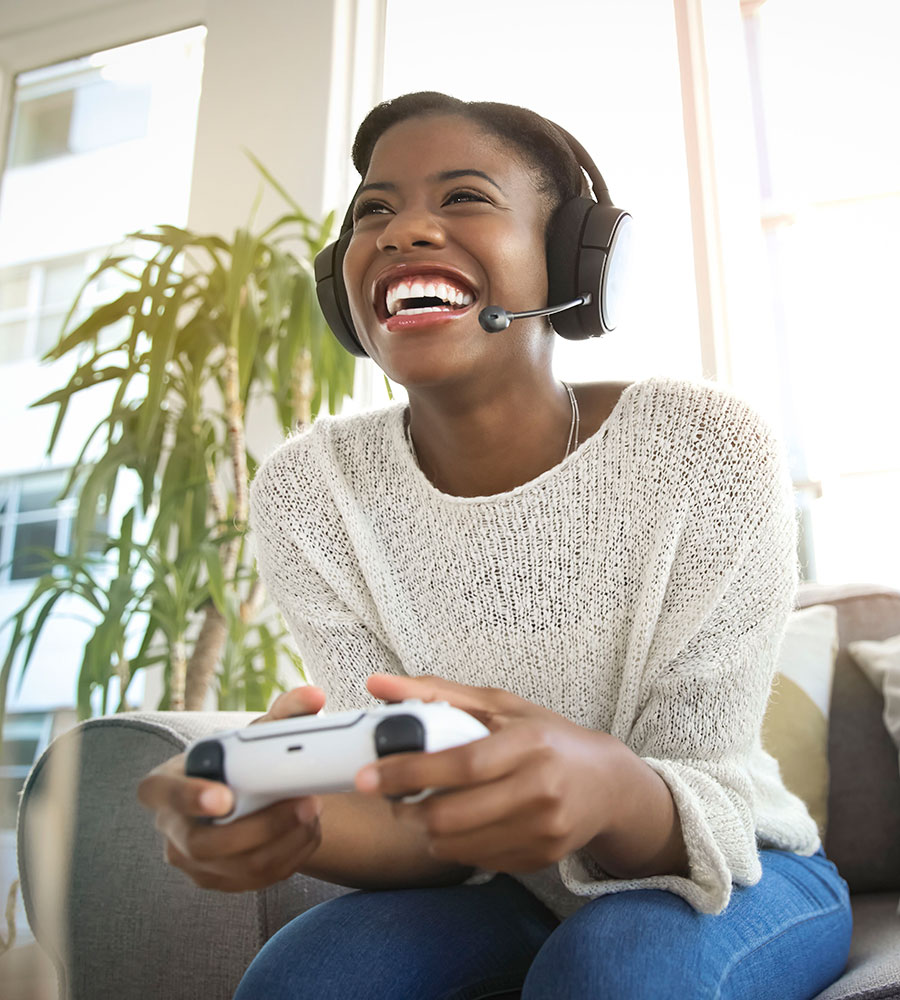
{"x": 399, "y": 734}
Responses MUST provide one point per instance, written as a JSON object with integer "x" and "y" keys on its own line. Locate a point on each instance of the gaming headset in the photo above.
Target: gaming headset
{"x": 587, "y": 247}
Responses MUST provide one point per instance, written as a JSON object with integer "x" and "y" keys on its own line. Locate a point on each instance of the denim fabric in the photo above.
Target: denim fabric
{"x": 785, "y": 938}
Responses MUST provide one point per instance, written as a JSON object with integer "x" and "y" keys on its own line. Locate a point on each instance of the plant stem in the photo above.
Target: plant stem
{"x": 234, "y": 424}
{"x": 207, "y": 650}
{"x": 214, "y": 631}
{"x": 178, "y": 678}
{"x": 251, "y": 607}
{"x": 302, "y": 389}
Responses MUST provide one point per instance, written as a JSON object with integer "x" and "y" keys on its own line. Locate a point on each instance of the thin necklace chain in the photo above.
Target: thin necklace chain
{"x": 571, "y": 444}
{"x": 576, "y": 423}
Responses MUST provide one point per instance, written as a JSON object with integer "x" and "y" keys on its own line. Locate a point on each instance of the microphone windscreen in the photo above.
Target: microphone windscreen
{"x": 493, "y": 319}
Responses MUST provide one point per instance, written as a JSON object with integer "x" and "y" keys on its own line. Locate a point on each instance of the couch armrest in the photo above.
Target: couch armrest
{"x": 116, "y": 919}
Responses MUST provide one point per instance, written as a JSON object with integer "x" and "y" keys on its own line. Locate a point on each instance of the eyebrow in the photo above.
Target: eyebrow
{"x": 444, "y": 175}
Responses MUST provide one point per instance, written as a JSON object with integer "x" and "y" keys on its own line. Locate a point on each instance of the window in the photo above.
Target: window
{"x": 75, "y": 112}
{"x": 99, "y": 147}
{"x": 33, "y": 517}
{"x": 825, "y": 81}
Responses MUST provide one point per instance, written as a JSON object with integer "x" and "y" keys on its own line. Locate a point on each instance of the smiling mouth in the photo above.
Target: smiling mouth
{"x": 419, "y": 295}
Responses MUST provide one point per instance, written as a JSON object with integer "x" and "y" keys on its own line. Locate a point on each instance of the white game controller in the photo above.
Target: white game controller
{"x": 321, "y": 754}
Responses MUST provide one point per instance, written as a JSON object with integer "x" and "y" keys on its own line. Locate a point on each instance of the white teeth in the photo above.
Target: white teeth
{"x": 420, "y": 287}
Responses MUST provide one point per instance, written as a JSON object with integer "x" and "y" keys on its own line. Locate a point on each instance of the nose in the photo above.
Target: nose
{"x": 410, "y": 228}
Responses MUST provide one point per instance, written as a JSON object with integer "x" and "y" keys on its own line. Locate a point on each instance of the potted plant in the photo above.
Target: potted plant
{"x": 203, "y": 328}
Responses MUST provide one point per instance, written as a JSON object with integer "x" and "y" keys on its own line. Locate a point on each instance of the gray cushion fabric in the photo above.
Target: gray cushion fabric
{"x": 137, "y": 927}
{"x": 873, "y": 969}
{"x": 864, "y": 781}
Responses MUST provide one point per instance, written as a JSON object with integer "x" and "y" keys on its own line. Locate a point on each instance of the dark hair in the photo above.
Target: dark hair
{"x": 540, "y": 145}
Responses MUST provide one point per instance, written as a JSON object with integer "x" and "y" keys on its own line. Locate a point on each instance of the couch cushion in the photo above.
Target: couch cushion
{"x": 795, "y": 727}
{"x": 873, "y": 968}
{"x": 863, "y": 836}
{"x": 880, "y": 662}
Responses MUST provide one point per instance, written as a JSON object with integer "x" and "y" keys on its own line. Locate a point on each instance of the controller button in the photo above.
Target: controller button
{"x": 399, "y": 734}
{"x": 206, "y": 760}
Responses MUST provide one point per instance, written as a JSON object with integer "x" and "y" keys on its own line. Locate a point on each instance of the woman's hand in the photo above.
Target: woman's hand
{"x": 250, "y": 853}
{"x": 536, "y": 789}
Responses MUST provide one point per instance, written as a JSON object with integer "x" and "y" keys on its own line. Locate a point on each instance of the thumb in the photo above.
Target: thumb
{"x": 305, "y": 700}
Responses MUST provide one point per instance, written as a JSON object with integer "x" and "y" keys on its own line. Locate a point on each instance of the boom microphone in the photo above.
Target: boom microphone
{"x": 493, "y": 319}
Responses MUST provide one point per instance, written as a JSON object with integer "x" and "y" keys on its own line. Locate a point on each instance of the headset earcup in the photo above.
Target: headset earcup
{"x": 584, "y": 244}
{"x": 332, "y": 294}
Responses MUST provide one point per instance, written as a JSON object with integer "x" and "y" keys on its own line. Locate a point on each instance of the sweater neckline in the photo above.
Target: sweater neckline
{"x": 407, "y": 459}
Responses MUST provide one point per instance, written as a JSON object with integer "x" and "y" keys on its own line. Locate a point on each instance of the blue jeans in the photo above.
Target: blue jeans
{"x": 786, "y": 937}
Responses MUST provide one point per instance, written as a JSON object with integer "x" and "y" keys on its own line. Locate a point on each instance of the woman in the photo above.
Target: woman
{"x": 600, "y": 573}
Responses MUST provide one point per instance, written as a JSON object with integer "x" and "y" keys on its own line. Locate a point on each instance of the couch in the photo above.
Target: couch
{"x": 118, "y": 922}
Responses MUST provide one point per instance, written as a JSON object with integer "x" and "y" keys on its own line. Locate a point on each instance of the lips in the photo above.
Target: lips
{"x": 421, "y": 292}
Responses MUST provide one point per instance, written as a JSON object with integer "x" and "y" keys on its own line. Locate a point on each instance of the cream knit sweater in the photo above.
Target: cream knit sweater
{"x": 640, "y": 587}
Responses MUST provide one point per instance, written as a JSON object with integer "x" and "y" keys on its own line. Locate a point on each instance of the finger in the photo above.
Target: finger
{"x": 205, "y": 878}
{"x": 459, "y": 811}
{"x": 530, "y": 801}
{"x": 260, "y": 866}
{"x": 491, "y": 706}
{"x": 151, "y": 789}
{"x": 280, "y": 859}
{"x": 509, "y": 846}
{"x": 304, "y": 700}
{"x": 167, "y": 787}
{"x": 520, "y": 831}
{"x": 480, "y": 761}
{"x": 206, "y": 843}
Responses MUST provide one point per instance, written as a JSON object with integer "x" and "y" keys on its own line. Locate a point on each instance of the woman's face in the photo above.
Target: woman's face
{"x": 448, "y": 221}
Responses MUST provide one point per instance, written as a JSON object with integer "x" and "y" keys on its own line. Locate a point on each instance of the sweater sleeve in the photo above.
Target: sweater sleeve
{"x": 308, "y": 569}
{"x": 730, "y": 581}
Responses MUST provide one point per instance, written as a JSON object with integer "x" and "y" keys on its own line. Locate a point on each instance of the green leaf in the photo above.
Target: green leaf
{"x": 249, "y": 331}
{"x": 301, "y": 215}
{"x": 163, "y": 334}
{"x": 103, "y": 316}
{"x": 97, "y": 484}
{"x": 216, "y": 578}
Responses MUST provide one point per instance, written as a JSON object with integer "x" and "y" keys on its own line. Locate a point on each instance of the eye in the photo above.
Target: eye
{"x": 461, "y": 196}
{"x": 370, "y": 207}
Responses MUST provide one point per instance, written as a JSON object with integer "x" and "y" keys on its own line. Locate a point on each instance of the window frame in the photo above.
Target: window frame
{"x": 11, "y": 517}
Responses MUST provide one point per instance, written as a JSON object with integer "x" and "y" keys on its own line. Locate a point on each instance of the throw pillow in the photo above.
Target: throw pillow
{"x": 795, "y": 727}
{"x": 880, "y": 662}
